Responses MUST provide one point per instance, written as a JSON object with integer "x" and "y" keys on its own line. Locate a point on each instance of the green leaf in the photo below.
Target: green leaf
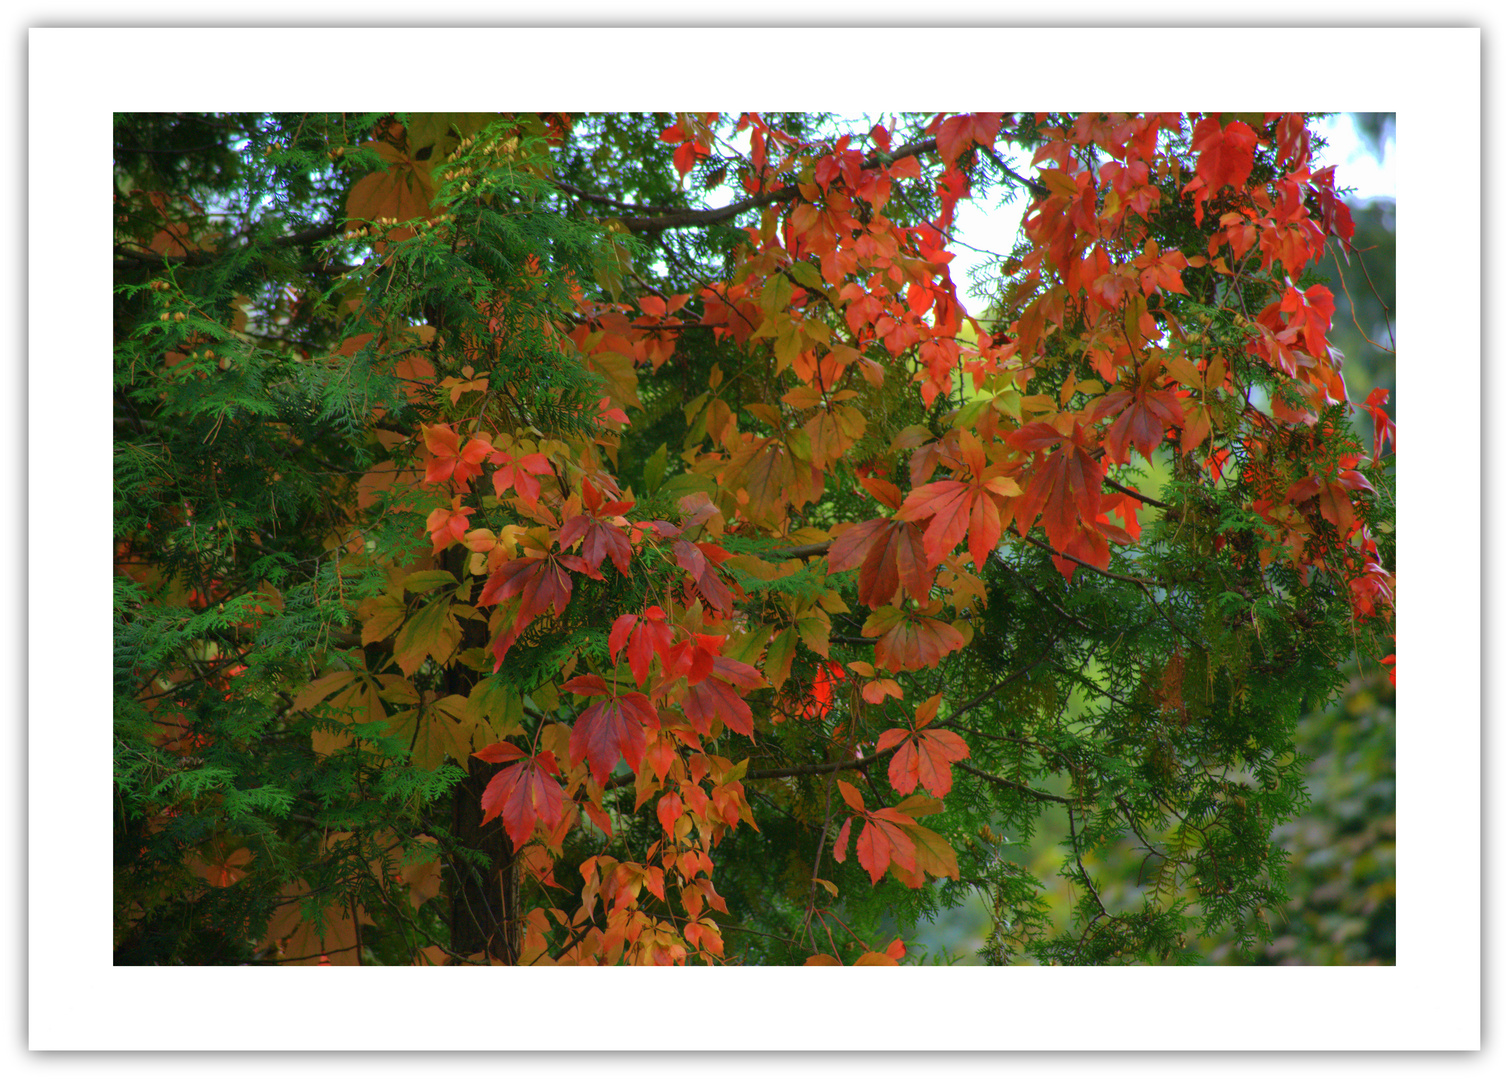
{"x": 433, "y": 631}
{"x": 807, "y": 275}
{"x": 654, "y": 470}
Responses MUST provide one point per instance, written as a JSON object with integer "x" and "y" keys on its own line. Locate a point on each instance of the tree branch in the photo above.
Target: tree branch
{"x": 204, "y": 258}
{"x": 1088, "y": 566}
{"x": 1001, "y": 781}
{"x": 656, "y": 218}
{"x": 1031, "y": 185}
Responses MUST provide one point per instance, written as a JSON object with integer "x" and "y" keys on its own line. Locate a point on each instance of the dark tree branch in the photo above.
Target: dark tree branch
{"x": 1031, "y": 185}
{"x": 656, "y": 218}
{"x": 143, "y": 257}
{"x": 1139, "y": 496}
{"x": 1001, "y": 781}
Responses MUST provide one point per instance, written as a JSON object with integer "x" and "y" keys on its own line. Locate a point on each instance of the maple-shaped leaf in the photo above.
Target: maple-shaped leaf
{"x": 520, "y": 473}
{"x": 924, "y": 757}
{"x": 1065, "y": 487}
{"x": 609, "y": 729}
{"x": 957, "y": 133}
{"x": 402, "y": 191}
{"x": 1160, "y": 269}
{"x": 523, "y": 794}
{"x": 1145, "y": 413}
{"x": 430, "y": 729}
{"x": 539, "y": 581}
{"x": 451, "y": 461}
{"x": 884, "y": 841}
{"x": 960, "y": 508}
{"x": 645, "y": 634}
{"x": 890, "y": 555}
{"x": 330, "y": 939}
{"x": 601, "y": 528}
{"x": 600, "y": 539}
{"x": 354, "y": 698}
{"x": 221, "y": 872}
{"x": 910, "y": 640}
{"x": 449, "y": 524}
{"x": 1225, "y": 152}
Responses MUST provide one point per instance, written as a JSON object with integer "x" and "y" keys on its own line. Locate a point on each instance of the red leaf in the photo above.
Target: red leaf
{"x": 540, "y": 583}
{"x": 523, "y": 794}
{"x": 713, "y": 699}
{"x": 450, "y": 461}
{"x": 500, "y": 752}
{"x": 645, "y": 634}
{"x": 909, "y": 640}
{"x": 520, "y": 474}
{"x": 883, "y": 841}
{"x": 890, "y": 555}
{"x": 841, "y": 845}
{"x": 1225, "y": 152}
{"x": 960, "y": 508}
{"x": 1065, "y": 489}
{"x": 587, "y": 686}
{"x": 600, "y": 539}
{"x": 924, "y": 758}
{"x": 1145, "y": 415}
{"x": 957, "y": 132}
{"x": 874, "y": 851}
{"x": 611, "y": 729}
{"x": 700, "y": 561}
{"x": 1383, "y": 427}
{"x": 829, "y": 674}
{"x": 667, "y": 810}
{"x": 448, "y": 525}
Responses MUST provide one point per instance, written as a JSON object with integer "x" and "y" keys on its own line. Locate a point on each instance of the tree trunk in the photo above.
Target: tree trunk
{"x": 484, "y": 910}
{"x": 484, "y": 907}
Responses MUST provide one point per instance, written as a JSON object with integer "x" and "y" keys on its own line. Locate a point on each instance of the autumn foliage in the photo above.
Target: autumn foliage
{"x": 625, "y": 567}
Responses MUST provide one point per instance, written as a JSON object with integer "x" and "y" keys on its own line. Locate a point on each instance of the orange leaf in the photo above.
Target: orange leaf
{"x": 960, "y": 508}
{"x": 890, "y": 555}
{"x": 910, "y": 640}
{"x": 924, "y": 758}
